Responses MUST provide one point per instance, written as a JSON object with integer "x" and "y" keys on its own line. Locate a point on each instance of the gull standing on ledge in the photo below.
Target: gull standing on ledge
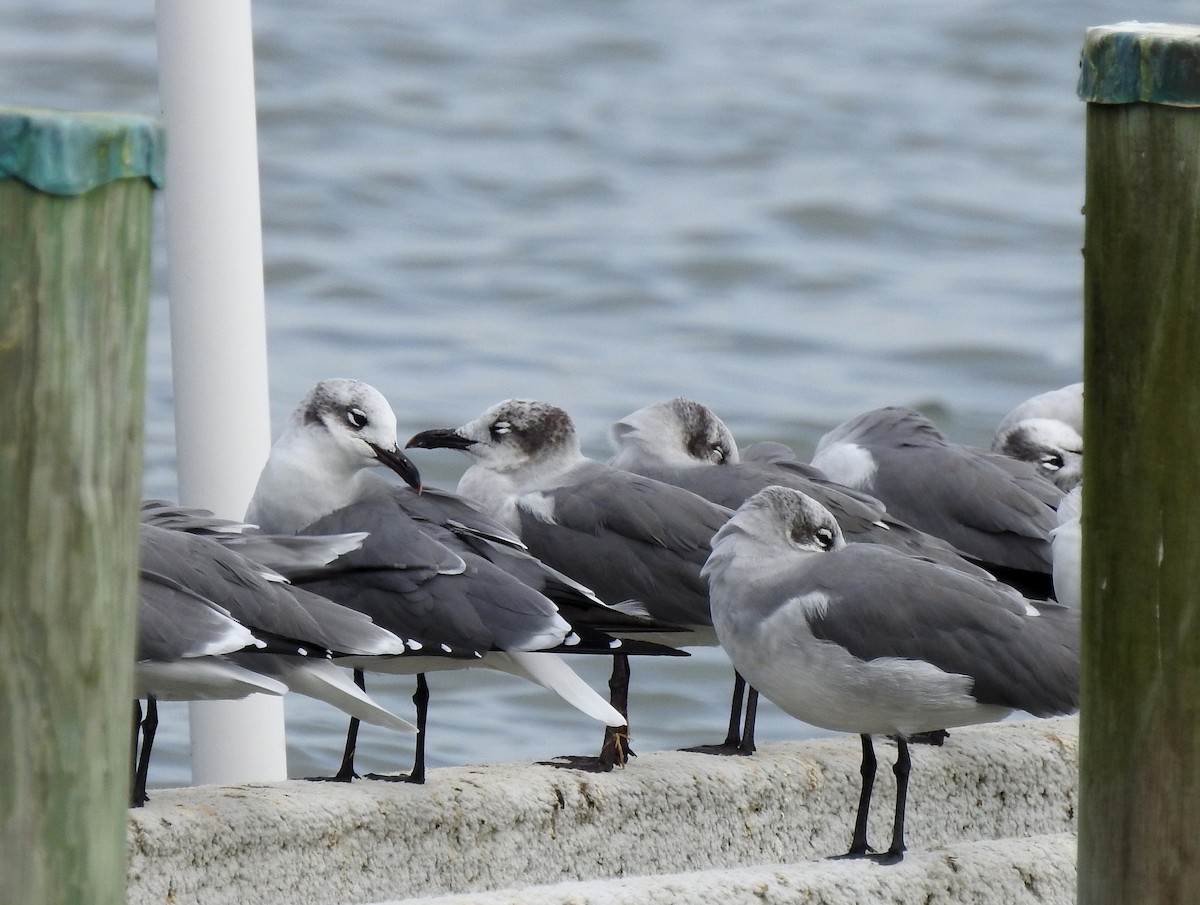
{"x": 624, "y": 536}
{"x": 414, "y": 574}
{"x": 860, "y": 638}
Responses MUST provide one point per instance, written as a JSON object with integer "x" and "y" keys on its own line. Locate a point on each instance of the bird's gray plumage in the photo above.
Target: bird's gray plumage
{"x": 683, "y": 442}
{"x": 622, "y": 535}
{"x": 834, "y": 613}
{"x": 866, "y": 639}
{"x": 419, "y": 571}
{"x": 259, "y": 598}
{"x": 289, "y": 555}
{"x": 626, "y": 537}
{"x": 998, "y": 510}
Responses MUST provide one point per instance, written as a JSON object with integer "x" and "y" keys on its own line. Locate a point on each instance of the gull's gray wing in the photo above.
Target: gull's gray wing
{"x": 174, "y": 623}
{"x": 862, "y": 518}
{"x": 258, "y": 598}
{"x": 968, "y": 501}
{"x": 627, "y": 538}
{"x": 883, "y": 604}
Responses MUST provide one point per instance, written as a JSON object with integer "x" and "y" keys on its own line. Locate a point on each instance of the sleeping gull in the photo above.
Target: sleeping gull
{"x": 426, "y": 569}
{"x": 683, "y": 442}
{"x": 1047, "y": 430}
{"x": 861, "y": 638}
{"x": 993, "y": 508}
{"x": 624, "y": 536}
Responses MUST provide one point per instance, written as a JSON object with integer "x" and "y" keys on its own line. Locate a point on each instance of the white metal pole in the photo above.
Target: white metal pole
{"x": 218, "y": 329}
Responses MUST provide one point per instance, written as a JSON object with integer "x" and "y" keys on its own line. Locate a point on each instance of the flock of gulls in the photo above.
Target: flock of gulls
{"x": 898, "y": 585}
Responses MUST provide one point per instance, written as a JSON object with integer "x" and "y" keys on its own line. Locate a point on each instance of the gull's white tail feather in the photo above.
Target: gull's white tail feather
{"x": 552, "y": 672}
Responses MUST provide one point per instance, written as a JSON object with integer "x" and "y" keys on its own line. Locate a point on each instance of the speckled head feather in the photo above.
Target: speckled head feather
{"x": 534, "y": 426}
{"x": 705, "y": 435}
{"x": 780, "y": 517}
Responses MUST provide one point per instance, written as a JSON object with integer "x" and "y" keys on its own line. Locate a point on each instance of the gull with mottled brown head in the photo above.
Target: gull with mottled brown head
{"x": 625, "y": 536}
{"x": 865, "y": 639}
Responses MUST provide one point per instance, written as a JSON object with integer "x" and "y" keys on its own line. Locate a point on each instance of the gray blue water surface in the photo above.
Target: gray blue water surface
{"x": 790, "y": 211}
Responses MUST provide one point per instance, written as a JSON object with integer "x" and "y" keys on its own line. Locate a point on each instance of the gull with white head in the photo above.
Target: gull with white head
{"x": 433, "y": 568}
{"x": 862, "y": 638}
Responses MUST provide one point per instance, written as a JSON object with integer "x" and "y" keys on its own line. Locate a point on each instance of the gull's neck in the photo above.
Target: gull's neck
{"x": 306, "y": 476}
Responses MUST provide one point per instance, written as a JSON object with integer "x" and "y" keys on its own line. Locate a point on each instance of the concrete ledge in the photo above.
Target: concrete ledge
{"x": 1040, "y": 869}
{"x": 511, "y": 826}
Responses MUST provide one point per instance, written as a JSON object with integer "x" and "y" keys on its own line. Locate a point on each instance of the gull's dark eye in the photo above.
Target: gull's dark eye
{"x": 719, "y": 454}
{"x": 357, "y": 418}
{"x": 1053, "y": 461}
{"x": 500, "y": 428}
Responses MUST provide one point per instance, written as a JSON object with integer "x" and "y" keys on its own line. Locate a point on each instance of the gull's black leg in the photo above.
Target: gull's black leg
{"x": 346, "y": 772}
{"x": 858, "y": 844}
{"x": 747, "y": 744}
{"x": 738, "y": 740}
{"x": 903, "y": 765}
{"x": 133, "y": 759}
{"x": 142, "y": 772}
{"x": 614, "y": 751}
{"x": 733, "y": 738}
{"x": 417, "y": 774}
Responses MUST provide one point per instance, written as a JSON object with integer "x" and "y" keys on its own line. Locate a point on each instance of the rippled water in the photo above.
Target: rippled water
{"x": 792, "y": 212}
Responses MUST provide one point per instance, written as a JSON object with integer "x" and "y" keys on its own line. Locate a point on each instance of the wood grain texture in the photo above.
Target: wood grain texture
{"x": 1140, "y": 723}
{"x": 74, "y": 274}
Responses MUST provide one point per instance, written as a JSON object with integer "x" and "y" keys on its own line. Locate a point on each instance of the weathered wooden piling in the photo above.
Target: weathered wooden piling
{"x": 75, "y": 194}
{"x": 1140, "y": 724}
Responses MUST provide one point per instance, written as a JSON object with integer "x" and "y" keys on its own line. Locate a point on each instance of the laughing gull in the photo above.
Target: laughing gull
{"x": 198, "y": 599}
{"x": 426, "y": 569}
{"x": 861, "y": 638}
{"x": 1047, "y": 430}
{"x": 624, "y": 536}
{"x": 996, "y": 509}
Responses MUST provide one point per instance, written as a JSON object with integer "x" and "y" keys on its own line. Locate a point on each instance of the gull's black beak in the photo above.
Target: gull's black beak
{"x": 443, "y": 438}
{"x": 399, "y": 463}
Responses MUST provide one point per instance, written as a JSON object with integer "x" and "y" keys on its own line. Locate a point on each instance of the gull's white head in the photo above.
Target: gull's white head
{"x": 340, "y": 428}
{"x": 510, "y": 436}
{"x": 784, "y": 520}
{"x": 676, "y": 432}
{"x": 354, "y": 425}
